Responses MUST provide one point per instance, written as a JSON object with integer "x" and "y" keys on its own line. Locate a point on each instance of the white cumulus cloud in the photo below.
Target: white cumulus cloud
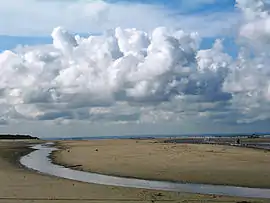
{"x": 133, "y": 76}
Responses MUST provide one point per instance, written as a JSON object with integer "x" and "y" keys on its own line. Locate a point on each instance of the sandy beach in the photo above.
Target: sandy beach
{"x": 150, "y": 159}
{"x": 22, "y": 185}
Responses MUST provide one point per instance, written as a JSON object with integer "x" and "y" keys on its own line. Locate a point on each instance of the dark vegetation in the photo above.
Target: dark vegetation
{"x": 17, "y": 136}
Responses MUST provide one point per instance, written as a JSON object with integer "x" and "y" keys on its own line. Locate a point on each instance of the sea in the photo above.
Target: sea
{"x": 155, "y": 136}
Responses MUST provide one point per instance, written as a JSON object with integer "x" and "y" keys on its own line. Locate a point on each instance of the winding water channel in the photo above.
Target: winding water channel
{"x": 39, "y": 160}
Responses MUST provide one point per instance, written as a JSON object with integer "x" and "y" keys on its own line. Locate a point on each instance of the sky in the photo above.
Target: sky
{"x": 132, "y": 67}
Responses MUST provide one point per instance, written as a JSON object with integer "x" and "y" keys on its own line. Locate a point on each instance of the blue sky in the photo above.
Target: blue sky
{"x": 10, "y": 38}
{"x": 11, "y": 42}
{"x": 188, "y": 6}
{"x": 169, "y": 13}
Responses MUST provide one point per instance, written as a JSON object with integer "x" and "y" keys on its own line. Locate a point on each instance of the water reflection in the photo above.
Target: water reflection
{"x": 38, "y": 160}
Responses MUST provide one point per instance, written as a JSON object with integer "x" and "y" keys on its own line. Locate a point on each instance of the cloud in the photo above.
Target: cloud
{"x": 128, "y": 75}
{"x": 3, "y": 121}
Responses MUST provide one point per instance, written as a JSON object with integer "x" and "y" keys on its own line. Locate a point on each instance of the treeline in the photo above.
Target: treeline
{"x": 17, "y": 136}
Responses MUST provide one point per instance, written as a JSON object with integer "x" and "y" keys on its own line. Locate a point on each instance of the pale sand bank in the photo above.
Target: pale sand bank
{"x": 21, "y": 185}
{"x": 213, "y": 164}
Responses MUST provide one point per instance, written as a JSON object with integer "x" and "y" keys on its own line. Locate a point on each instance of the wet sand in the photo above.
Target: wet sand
{"x": 152, "y": 159}
{"x": 21, "y": 185}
